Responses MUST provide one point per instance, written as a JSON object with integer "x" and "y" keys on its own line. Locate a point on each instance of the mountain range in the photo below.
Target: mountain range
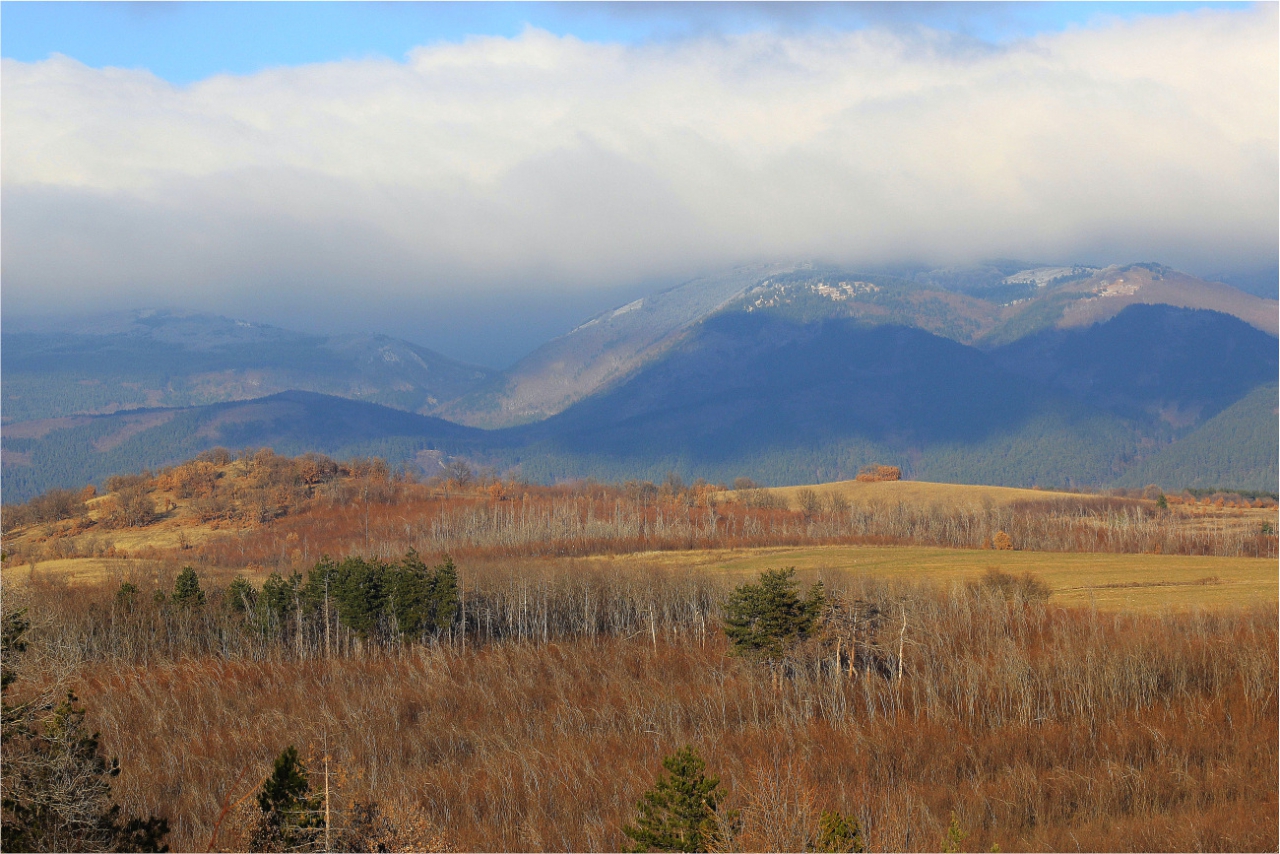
{"x": 1007, "y": 373}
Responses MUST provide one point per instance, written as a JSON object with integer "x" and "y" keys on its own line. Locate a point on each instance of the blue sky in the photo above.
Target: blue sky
{"x": 185, "y": 42}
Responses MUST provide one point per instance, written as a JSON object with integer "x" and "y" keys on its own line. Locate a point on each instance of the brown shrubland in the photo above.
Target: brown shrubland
{"x": 282, "y": 514}
{"x": 1038, "y": 727}
{"x": 537, "y": 719}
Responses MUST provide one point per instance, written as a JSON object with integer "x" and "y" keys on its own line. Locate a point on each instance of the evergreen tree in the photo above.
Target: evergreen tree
{"x": 680, "y": 812}
{"x": 292, "y": 817}
{"x": 444, "y": 595}
{"x": 278, "y": 599}
{"x": 411, "y": 596}
{"x": 186, "y": 590}
{"x": 57, "y": 790}
{"x": 762, "y": 620}
{"x": 127, "y": 595}
{"x": 839, "y": 834}
{"x": 359, "y": 591}
{"x": 241, "y": 597}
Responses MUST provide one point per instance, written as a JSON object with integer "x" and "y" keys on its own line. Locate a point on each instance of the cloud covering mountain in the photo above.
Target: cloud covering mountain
{"x": 496, "y": 166}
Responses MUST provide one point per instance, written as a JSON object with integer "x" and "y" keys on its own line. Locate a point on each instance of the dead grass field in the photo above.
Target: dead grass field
{"x": 79, "y": 570}
{"x": 921, "y": 493}
{"x": 1111, "y": 582}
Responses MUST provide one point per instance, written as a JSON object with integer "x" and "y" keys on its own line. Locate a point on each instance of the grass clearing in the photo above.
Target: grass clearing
{"x": 77, "y": 570}
{"x": 1117, "y": 582}
{"x": 922, "y": 493}
{"x": 1112, "y": 582}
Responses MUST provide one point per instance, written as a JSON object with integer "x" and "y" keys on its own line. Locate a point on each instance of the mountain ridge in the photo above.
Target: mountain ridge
{"x": 775, "y": 399}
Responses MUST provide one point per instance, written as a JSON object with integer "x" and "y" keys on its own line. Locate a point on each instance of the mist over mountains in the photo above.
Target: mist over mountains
{"x": 1007, "y": 373}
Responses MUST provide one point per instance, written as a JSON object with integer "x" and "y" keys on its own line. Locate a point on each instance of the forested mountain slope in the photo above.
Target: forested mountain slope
{"x": 797, "y": 402}
{"x": 1236, "y": 449}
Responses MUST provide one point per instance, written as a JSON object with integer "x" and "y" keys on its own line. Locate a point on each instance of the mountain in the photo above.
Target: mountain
{"x": 789, "y": 401}
{"x": 71, "y": 451}
{"x": 602, "y": 350}
{"x": 988, "y": 306}
{"x": 1179, "y": 366}
{"x": 156, "y": 358}
{"x": 1155, "y": 392}
{"x": 148, "y": 359}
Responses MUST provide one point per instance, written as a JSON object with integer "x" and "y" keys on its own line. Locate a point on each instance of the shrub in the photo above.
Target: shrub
{"x": 186, "y": 589}
{"x": 1027, "y": 587}
{"x": 57, "y": 789}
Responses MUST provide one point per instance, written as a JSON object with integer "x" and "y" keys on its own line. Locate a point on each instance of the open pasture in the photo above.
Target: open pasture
{"x": 922, "y": 493}
{"x": 1107, "y": 581}
{"x": 1110, "y": 582}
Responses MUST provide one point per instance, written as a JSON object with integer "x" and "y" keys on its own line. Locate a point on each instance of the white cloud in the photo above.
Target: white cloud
{"x": 499, "y": 163}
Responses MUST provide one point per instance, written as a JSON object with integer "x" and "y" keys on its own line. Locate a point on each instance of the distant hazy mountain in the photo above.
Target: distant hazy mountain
{"x": 818, "y": 399}
{"x": 1180, "y": 397}
{"x": 987, "y": 306}
{"x": 69, "y": 452}
{"x": 136, "y": 359}
{"x": 1009, "y": 373}
{"x": 602, "y": 350}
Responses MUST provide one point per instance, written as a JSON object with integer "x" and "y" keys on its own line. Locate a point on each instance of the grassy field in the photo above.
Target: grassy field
{"x": 1110, "y": 582}
{"x": 922, "y": 493}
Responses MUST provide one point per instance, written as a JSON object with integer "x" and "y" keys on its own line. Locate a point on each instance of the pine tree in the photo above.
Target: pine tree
{"x": 291, "y": 817}
{"x": 839, "y": 834}
{"x": 241, "y": 596}
{"x": 762, "y": 620}
{"x": 186, "y": 589}
{"x": 680, "y": 812}
{"x": 57, "y": 790}
{"x": 955, "y": 836}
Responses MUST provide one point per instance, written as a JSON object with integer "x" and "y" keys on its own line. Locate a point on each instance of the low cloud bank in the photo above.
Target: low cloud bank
{"x": 548, "y": 163}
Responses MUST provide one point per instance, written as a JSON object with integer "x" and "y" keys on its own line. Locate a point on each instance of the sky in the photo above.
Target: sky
{"x": 480, "y": 177}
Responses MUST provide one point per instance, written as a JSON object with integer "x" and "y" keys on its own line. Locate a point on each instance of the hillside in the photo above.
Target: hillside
{"x": 147, "y": 359}
{"x": 1236, "y": 449}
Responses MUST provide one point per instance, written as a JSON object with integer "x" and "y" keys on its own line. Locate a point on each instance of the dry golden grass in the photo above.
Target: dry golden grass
{"x": 921, "y": 493}
{"x": 78, "y": 570}
{"x": 1109, "y": 581}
